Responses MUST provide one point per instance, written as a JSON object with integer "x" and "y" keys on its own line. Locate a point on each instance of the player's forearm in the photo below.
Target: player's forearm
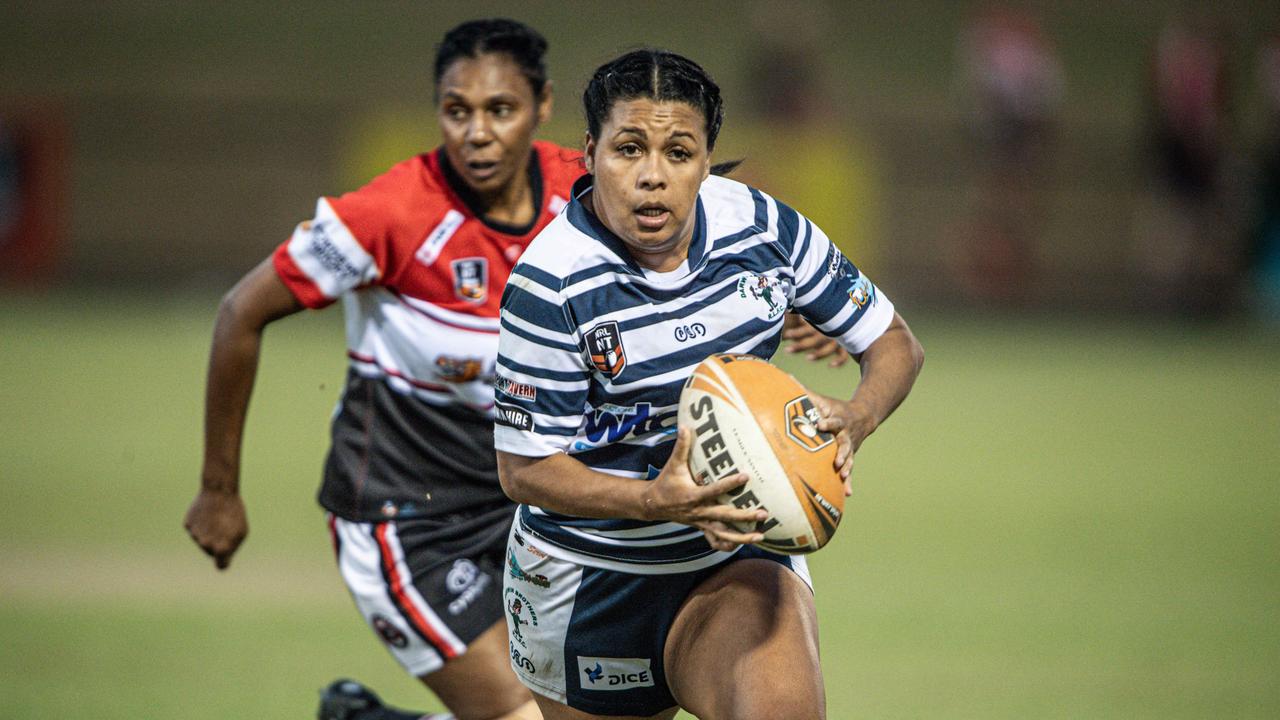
{"x": 561, "y": 484}
{"x": 233, "y": 365}
{"x": 889, "y": 369}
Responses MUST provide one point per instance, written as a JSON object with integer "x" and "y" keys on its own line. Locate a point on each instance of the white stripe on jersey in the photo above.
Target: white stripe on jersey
{"x": 449, "y": 317}
{"x": 607, "y": 346}
{"x": 385, "y": 333}
{"x": 438, "y": 237}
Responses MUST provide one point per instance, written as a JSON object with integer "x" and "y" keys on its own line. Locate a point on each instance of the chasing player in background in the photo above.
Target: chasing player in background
{"x": 419, "y": 257}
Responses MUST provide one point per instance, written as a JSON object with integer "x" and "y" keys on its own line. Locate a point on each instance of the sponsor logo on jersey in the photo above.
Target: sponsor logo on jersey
{"x": 328, "y": 254}
{"x": 517, "y": 572}
{"x": 604, "y": 341}
{"x": 610, "y": 423}
{"x": 436, "y": 239}
{"x": 838, "y": 266}
{"x": 802, "y": 425}
{"x": 603, "y": 673}
{"x": 862, "y": 292}
{"x": 520, "y": 613}
{"x": 389, "y": 633}
{"x": 470, "y": 278}
{"x": 766, "y": 293}
{"x": 457, "y": 369}
{"x": 684, "y": 333}
{"x": 512, "y": 416}
{"x": 514, "y": 389}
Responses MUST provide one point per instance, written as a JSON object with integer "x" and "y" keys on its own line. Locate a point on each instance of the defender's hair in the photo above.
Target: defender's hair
{"x": 656, "y": 74}
{"x": 518, "y": 41}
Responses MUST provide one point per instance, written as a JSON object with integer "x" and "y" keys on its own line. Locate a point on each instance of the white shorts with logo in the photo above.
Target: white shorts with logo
{"x": 592, "y": 638}
{"x": 425, "y": 601}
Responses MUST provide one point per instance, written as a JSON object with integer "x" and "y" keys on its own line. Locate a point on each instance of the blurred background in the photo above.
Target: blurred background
{"x": 1075, "y": 205}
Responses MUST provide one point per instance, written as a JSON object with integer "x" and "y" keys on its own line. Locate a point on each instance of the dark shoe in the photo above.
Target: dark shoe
{"x": 346, "y": 700}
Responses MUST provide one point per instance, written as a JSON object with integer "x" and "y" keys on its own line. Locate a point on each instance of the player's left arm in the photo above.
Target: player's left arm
{"x": 889, "y": 367}
{"x": 838, "y": 299}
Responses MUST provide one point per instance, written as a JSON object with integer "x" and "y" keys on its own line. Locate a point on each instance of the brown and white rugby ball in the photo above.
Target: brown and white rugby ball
{"x": 749, "y": 416}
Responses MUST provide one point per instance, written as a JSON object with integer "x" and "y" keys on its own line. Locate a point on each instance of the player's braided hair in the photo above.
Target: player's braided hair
{"x": 474, "y": 38}
{"x": 660, "y": 75}
{"x": 656, "y": 74}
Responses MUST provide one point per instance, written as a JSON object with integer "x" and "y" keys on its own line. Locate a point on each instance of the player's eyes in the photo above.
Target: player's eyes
{"x": 629, "y": 150}
{"x": 679, "y": 154}
{"x": 503, "y": 111}
{"x": 455, "y": 112}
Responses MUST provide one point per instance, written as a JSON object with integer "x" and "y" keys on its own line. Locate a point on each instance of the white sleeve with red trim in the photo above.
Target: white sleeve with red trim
{"x": 322, "y": 259}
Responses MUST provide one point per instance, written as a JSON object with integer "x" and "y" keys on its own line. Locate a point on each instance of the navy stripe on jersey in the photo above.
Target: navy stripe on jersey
{"x": 639, "y": 552}
{"x": 628, "y": 293}
{"x": 609, "y": 367}
{"x": 510, "y": 327}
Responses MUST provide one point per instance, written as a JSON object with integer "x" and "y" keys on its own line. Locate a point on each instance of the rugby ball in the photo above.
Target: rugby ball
{"x": 749, "y": 416}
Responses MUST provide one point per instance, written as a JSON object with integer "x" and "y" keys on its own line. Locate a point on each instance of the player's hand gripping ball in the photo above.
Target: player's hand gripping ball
{"x": 749, "y": 416}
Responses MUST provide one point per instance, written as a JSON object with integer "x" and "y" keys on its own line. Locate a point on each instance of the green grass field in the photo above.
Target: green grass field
{"x": 1064, "y": 521}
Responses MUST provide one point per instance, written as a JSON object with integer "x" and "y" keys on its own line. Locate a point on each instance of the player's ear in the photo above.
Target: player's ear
{"x": 545, "y": 102}
{"x": 588, "y": 153}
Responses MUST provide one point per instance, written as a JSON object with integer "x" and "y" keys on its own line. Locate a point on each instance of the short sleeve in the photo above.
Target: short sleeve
{"x": 323, "y": 259}
{"x": 833, "y": 295}
{"x": 542, "y": 377}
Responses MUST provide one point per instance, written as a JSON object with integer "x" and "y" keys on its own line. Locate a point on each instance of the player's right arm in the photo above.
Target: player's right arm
{"x": 539, "y": 353}
{"x": 216, "y": 519}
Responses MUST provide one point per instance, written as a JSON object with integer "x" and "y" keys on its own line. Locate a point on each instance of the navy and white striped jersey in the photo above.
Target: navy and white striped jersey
{"x": 594, "y": 349}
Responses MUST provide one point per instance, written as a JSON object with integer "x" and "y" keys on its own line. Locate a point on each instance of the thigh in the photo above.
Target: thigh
{"x": 479, "y": 684}
{"x": 745, "y": 645}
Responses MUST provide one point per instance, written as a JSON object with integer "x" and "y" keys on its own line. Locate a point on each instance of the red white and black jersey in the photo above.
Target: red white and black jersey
{"x": 421, "y": 275}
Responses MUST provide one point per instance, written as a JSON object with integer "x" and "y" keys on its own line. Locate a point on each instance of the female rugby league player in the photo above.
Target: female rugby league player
{"x": 636, "y": 596}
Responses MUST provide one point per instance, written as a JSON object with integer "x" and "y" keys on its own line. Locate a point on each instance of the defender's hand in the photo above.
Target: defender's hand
{"x": 806, "y": 338}
{"x": 217, "y": 522}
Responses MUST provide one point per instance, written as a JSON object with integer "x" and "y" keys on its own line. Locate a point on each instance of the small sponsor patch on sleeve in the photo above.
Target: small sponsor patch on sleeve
{"x": 514, "y": 389}
{"x": 512, "y": 416}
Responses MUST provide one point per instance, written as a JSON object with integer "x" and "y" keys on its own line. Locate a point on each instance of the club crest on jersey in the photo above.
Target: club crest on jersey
{"x": 470, "y": 279}
{"x": 767, "y": 293}
{"x": 604, "y": 342}
{"x": 862, "y": 292}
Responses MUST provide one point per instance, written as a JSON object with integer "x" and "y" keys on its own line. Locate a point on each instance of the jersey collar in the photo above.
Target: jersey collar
{"x": 459, "y": 187}
{"x": 587, "y": 223}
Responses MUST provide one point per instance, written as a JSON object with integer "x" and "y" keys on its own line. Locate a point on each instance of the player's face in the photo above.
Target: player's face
{"x": 488, "y": 114}
{"x": 649, "y": 161}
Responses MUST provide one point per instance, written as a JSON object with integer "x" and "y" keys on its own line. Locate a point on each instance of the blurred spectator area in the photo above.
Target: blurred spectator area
{"x": 200, "y": 133}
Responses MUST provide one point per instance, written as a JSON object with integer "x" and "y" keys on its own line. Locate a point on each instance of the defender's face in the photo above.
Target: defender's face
{"x": 649, "y": 161}
{"x": 488, "y": 115}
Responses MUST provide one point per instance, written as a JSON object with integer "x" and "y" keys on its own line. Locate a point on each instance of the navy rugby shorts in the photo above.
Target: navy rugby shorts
{"x": 593, "y": 638}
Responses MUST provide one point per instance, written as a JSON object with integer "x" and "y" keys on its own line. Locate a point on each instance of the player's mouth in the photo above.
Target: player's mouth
{"x": 652, "y": 216}
{"x": 482, "y": 169}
